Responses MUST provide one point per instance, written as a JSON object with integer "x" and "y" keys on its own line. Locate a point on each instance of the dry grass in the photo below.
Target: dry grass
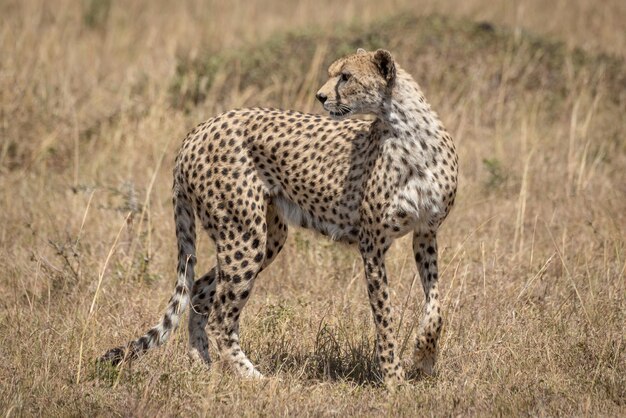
{"x": 95, "y": 96}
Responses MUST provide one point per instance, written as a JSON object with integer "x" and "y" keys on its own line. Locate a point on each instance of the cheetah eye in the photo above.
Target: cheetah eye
{"x": 345, "y": 77}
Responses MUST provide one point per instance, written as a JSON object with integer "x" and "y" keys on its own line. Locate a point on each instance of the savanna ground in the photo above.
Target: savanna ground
{"x": 95, "y": 97}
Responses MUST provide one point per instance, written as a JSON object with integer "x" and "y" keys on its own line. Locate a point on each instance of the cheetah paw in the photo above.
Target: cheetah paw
{"x": 198, "y": 357}
{"x": 425, "y": 361}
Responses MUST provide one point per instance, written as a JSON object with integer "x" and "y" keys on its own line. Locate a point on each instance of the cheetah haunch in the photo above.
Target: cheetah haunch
{"x": 247, "y": 173}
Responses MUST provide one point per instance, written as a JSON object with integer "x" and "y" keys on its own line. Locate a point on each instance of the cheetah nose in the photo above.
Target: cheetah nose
{"x": 321, "y": 97}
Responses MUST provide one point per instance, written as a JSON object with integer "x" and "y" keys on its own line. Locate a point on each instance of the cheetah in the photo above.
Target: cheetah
{"x": 248, "y": 173}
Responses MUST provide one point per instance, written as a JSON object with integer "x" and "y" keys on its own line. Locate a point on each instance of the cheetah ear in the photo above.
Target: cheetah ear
{"x": 361, "y": 51}
{"x": 386, "y": 65}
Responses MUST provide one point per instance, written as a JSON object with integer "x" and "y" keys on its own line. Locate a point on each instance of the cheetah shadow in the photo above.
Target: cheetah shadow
{"x": 351, "y": 366}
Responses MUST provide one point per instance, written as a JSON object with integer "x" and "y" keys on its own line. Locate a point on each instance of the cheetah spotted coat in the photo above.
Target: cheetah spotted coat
{"x": 247, "y": 173}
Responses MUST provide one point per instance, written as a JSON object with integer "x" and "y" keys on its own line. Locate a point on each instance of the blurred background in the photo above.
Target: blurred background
{"x": 95, "y": 97}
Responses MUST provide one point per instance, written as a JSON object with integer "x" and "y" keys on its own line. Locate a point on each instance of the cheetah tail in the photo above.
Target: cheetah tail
{"x": 159, "y": 334}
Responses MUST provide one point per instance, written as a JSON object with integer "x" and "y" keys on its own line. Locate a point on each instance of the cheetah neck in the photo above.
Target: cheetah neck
{"x": 418, "y": 150}
{"x": 412, "y": 124}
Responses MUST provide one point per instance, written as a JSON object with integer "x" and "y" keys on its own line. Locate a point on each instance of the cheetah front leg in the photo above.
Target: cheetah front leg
{"x": 378, "y": 292}
{"x": 425, "y": 250}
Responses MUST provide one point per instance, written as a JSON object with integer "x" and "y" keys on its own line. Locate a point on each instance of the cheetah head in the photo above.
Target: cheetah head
{"x": 358, "y": 84}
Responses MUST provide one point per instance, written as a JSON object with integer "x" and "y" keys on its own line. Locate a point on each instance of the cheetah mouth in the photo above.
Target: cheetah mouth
{"x": 339, "y": 111}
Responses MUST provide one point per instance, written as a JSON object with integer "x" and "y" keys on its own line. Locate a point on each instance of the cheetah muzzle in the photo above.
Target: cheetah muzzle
{"x": 248, "y": 173}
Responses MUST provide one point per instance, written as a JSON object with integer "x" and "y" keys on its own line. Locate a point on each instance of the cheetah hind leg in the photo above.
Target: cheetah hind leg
{"x": 240, "y": 258}
{"x": 204, "y": 290}
{"x": 425, "y": 250}
{"x": 233, "y": 291}
{"x": 201, "y": 300}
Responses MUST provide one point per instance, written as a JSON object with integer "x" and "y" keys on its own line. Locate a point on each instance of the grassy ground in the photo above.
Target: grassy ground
{"x": 95, "y": 97}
